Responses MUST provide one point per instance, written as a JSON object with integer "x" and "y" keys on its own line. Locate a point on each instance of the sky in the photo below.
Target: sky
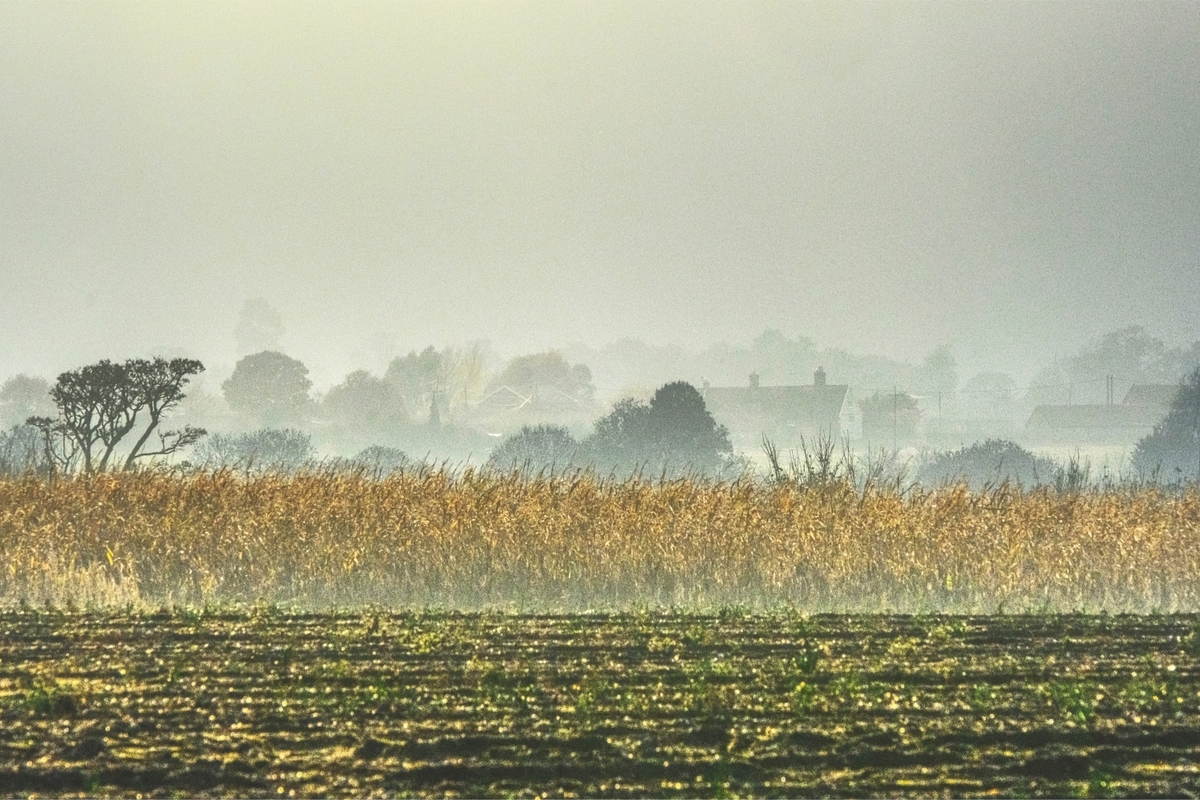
{"x": 1010, "y": 179}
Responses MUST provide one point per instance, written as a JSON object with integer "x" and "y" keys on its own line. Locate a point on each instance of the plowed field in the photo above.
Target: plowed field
{"x": 267, "y": 702}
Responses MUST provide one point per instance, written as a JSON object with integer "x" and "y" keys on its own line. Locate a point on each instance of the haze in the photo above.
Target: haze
{"x": 1009, "y": 179}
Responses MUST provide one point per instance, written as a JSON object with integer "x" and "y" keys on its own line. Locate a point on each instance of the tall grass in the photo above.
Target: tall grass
{"x": 471, "y": 539}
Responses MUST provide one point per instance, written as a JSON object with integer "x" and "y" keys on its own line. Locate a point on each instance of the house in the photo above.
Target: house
{"x": 783, "y": 414}
{"x": 1144, "y": 406}
{"x": 507, "y": 408}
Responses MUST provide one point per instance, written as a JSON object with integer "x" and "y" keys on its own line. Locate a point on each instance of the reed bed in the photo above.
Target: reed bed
{"x": 470, "y": 540}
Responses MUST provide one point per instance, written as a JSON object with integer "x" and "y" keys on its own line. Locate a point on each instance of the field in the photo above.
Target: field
{"x": 177, "y": 633}
{"x": 478, "y": 541}
{"x": 266, "y": 702}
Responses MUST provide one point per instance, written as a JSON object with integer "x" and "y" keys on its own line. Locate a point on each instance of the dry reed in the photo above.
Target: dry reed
{"x": 478, "y": 539}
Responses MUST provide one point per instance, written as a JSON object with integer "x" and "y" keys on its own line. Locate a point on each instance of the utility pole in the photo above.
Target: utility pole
{"x": 895, "y": 403}
{"x": 1198, "y": 431}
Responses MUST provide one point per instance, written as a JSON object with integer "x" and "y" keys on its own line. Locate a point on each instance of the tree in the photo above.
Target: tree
{"x": 416, "y": 378}
{"x": 890, "y": 417}
{"x": 363, "y": 402}
{"x": 526, "y": 373}
{"x": 1130, "y": 354}
{"x": 21, "y": 451}
{"x": 992, "y": 462}
{"x": 22, "y": 397}
{"x": 535, "y": 448}
{"x": 990, "y": 395}
{"x": 939, "y": 372}
{"x": 673, "y": 433}
{"x": 1173, "y": 448}
{"x": 270, "y": 387}
{"x": 268, "y": 450}
{"x": 259, "y": 327}
{"x": 99, "y": 404}
{"x": 380, "y": 461}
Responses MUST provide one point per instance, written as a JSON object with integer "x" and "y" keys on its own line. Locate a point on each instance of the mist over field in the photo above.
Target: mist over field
{"x": 880, "y": 178}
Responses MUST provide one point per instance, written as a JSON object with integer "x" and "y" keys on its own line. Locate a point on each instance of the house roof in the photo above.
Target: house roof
{"x": 542, "y": 400}
{"x": 1161, "y": 395}
{"x": 760, "y": 408}
{"x": 1114, "y": 417}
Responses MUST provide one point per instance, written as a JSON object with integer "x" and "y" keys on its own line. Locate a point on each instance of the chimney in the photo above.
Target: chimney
{"x": 753, "y": 380}
{"x": 819, "y": 377}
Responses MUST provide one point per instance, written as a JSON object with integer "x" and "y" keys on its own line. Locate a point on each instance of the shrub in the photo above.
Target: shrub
{"x": 535, "y": 448}
{"x": 992, "y": 462}
{"x": 267, "y": 450}
{"x": 1172, "y": 452}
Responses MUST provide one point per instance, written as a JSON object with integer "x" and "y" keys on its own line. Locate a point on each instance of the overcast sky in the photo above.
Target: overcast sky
{"x": 1010, "y": 179}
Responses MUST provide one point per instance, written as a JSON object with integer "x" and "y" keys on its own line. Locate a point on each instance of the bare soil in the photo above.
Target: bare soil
{"x": 267, "y": 702}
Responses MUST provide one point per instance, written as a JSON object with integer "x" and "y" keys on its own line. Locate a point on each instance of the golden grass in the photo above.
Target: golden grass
{"x": 475, "y": 540}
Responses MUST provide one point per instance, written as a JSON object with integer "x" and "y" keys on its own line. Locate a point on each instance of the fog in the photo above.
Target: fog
{"x": 1009, "y": 180}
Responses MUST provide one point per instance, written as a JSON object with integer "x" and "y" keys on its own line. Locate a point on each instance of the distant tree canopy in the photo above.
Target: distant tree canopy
{"x": 270, "y": 388}
{"x": 990, "y": 394}
{"x": 259, "y": 327}
{"x": 550, "y": 369}
{"x": 22, "y": 397}
{"x": 1130, "y": 354}
{"x": 939, "y": 371}
{"x": 381, "y": 461}
{"x": 416, "y": 378}
{"x": 1172, "y": 450}
{"x": 536, "y": 448}
{"x": 450, "y": 379}
{"x": 21, "y": 451}
{"x": 888, "y": 416}
{"x": 674, "y": 433}
{"x": 99, "y": 405}
{"x": 364, "y": 402}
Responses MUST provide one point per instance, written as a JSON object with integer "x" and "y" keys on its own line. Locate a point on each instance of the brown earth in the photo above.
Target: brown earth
{"x": 259, "y": 702}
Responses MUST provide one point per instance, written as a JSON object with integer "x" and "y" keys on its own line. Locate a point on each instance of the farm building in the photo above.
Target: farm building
{"x": 1109, "y": 423}
{"x": 507, "y": 409}
{"x": 783, "y": 414}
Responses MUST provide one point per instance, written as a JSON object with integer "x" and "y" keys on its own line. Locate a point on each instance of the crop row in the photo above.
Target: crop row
{"x": 479, "y": 540}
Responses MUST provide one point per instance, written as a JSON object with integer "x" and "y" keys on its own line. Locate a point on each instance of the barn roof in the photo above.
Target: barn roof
{"x": 1161, "y": 395}
{"x": 1114, "y": 423}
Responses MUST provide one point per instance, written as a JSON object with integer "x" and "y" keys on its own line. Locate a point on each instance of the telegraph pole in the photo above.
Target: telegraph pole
{"x": 895, "y": 403}
{"x": 1197, "y": 382}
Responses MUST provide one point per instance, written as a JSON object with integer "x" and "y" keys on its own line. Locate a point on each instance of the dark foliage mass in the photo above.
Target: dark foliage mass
{"x": 674, "y": 434}
{"x": 100, "y": 405}
{"x": 270, "y": 388}
{"x": 535, "y": 448}
{"x": 1172, "y": 451}
{"x": 380, "y": 461}
{"x": 992, "y": 462}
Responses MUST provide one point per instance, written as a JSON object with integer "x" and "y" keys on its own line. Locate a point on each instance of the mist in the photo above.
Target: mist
{"x": 1012, "y": 181}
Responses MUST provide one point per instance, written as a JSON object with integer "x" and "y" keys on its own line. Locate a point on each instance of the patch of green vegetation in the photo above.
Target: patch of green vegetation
{"x": 49, "y": 699}
{"x": 1075, "y": 699}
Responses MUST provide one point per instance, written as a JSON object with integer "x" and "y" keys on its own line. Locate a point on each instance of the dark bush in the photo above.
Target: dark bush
{"x": 1171, "y": 453}
{"x": 267, "y": 450}
{"x": 544, "y": 447}
{"x": 992, "y": 462}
